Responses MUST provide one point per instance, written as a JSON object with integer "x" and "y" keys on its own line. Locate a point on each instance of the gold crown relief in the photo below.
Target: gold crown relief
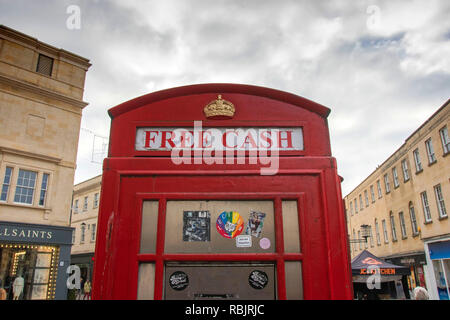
{"x": 219, "y": 108}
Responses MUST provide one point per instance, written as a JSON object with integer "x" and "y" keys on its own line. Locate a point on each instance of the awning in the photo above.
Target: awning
{"x": 366, "y": 264}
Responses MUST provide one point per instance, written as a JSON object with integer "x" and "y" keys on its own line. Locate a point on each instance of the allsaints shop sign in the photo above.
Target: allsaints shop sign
{"x": 18, "y": 232}
{"x": 25, "y": 233}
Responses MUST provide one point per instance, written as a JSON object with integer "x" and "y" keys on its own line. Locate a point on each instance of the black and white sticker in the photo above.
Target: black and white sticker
{"x": 178, "y": 280}
{"x": 258, "y": 279}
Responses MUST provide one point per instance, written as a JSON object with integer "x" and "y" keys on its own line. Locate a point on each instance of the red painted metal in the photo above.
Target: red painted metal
{"x": 308, "y": 176}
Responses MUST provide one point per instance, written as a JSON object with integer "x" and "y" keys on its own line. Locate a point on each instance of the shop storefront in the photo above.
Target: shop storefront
{"x": 221, "y": 191}
{"x": 375, "y": 278}
{"x": 438, "y": 258}
{"x": 415, "y": 263}
{"x": 33, "y": 260}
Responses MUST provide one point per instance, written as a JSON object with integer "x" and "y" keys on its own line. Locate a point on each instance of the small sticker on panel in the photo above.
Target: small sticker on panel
{"x": 258, "y": 279}
{"x": 196, "y": 226}
{"x": 255, "y": 223}
{"x": 244, "y": 241}
{"x": 230, "y": 224}
{"x": 178, "y": 280}
{"x": 264, "y": 243}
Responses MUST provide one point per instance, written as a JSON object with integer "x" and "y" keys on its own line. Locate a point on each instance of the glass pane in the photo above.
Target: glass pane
{"x": 213, "y": 226}
{"x": 294, "y": 281}
{"x": 146, "y": 284}
{"x": 291, "y": 232}
{"x": 149, "y": 226}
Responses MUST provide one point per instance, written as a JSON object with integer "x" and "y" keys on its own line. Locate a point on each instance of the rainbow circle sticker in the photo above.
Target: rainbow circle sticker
{"x": 230, "y": 224}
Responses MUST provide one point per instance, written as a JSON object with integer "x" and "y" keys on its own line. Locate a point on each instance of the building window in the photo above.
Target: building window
{"x": 93, "y": 226}
{"x": 44, "y": 187}
{"x": 440, "y": 201}
{"x": 385, "y": 232}
{"x": 96, "y": 200}
{"x": 75, "y": 206}
{"x": 380, "y": 193}
{"x": 401, "y": 218}
{"x": 351, "y": 208}
{"x": 395, "y": 177}
{"x": 417, "y": 161}
{"x": 44, "y": 65}
{"x": 360, "y": 243}
{"x": 26, "y": 182}
{"x": 425, "y": 206}
{"x": 85, "y": 204}
{"x": 6, "y": 184}
{"x": 371, "y": 236}
{"x": 356, "y": 206}
{"x": 430, "y": 151}
{"x": 405, "y": 170}
{"x": 366, "y": 198}
{"x": 372, "y": 194}
{"x": 83, "y": 232}
{"x": 412, "y": 214}
{"x": 393, "y": 228}
{"x": 377, "y": 232}
{"x": 386, "y": 183}
{"x": 361, "y": 206}
{"x": 445, "y": 140}
{"x": 73, "y": 235}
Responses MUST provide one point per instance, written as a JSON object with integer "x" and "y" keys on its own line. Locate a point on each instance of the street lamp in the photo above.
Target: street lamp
{"x": 365, "y": 233}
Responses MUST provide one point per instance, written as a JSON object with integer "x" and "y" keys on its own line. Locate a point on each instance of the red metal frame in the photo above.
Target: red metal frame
{"x": 309, "y": 176}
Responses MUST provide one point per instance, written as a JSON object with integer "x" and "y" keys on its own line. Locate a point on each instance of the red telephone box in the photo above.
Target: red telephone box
{"x": 221, "y": 191}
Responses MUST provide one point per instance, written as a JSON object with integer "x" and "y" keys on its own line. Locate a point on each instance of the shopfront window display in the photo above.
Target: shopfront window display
{"x": 27, "y": 272}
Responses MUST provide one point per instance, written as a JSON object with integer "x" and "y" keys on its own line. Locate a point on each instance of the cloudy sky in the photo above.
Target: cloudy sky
{"x": 382, "y": 67}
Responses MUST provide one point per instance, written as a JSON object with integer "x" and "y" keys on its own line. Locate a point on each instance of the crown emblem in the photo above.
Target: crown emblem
{"x": 219, "y": 108}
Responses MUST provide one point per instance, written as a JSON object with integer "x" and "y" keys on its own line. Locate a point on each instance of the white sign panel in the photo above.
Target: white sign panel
{"x": 166, "y": 139}
{"x": 244, "y": 241}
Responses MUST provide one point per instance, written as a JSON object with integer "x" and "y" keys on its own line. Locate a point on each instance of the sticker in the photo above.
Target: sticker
{"x": 196, "y": 226}
{"x": 264, "y": 243}
{"x": 258, "y": 279}
{"x": 230, "y": 224}
{"x": 255, "y": 223}
{"x": 244, "y": 241}
{"x": 178, "y": 280}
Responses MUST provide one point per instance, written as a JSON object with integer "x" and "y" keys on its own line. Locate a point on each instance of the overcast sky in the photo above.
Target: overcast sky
{"x": 382, "y": 67}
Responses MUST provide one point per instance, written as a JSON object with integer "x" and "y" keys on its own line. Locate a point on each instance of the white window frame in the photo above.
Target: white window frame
{"x": 83, "y": 233}
{"x": 405, "y": 170}
{"x": 75, "y": 206}
{"x": 96, "y": 196}
{"x": 380, "y": 192}
{"x": 26, "y": 187}
{"x": 7, "y": 183}
{"x": 385, "y": 231}
{"x": 366, "y": 198}
{"x": 426, "y": 207}
{"x": 393, "y": 227}
{"x": 85, "y": 204}
{"x": 361, "y": 205}
{"x": 44, "y": 190}
{"x": 372, "y": 193}
{"x": 445, "y": 140}
{"x": 413, "y": 217}
{"x": 356, "y": 205}
{"x": 387, "y": 186}
{"x": 417, "y": 161}
{"x": 351, "y": 208}
{"x": 93, "y": 231}
{"x": 395, "y": 177}
{"x": 377, "y": 232}
{"x": 430, "y": 151}
{"x": 401, "y": 218}
{"x": 440, "y": 201}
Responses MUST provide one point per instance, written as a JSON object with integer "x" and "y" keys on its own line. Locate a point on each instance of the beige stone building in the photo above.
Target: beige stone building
{"x": 405, "y": 205}
{"x": 86, "y": 198}
{"x": 41, "y": 103}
